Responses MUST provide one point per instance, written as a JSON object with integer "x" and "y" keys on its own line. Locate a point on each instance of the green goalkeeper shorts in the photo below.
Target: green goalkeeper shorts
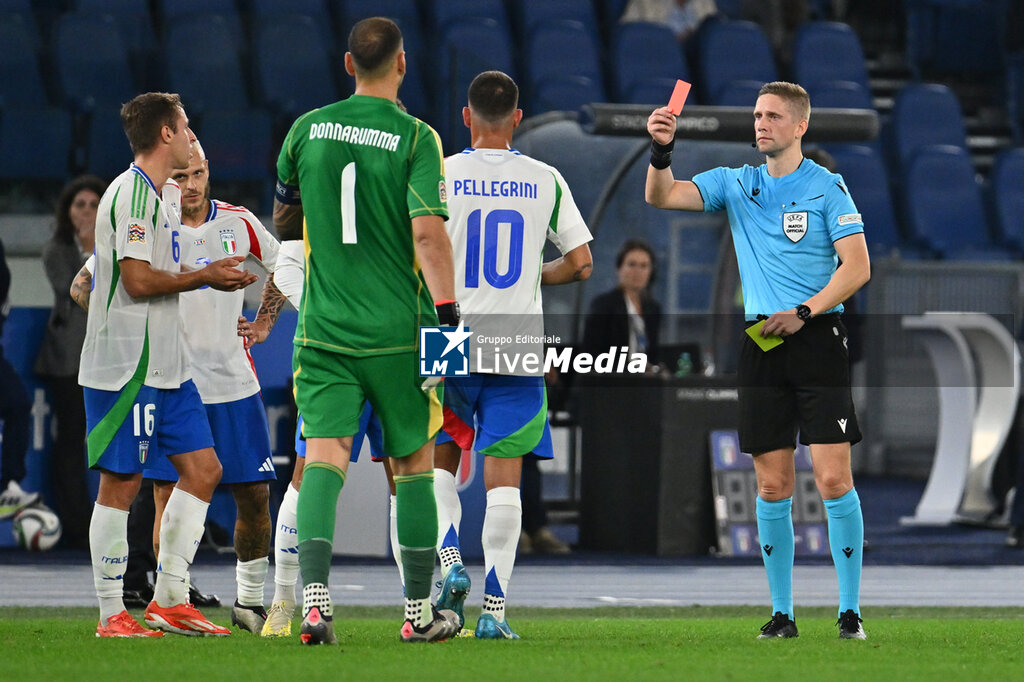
{"x": 330, "y": 389}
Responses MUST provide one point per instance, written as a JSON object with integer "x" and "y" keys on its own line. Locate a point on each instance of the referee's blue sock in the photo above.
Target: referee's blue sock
{"x": 846, "y": 537}
{"x": 775, "y": 531}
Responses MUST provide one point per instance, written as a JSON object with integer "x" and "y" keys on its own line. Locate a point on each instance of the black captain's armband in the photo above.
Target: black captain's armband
{"x": 661, "y": 154}
{"x": 287, "y": 194}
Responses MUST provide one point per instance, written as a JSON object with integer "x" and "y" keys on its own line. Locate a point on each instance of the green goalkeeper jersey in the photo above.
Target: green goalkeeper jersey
{"x": 364, "y": 169}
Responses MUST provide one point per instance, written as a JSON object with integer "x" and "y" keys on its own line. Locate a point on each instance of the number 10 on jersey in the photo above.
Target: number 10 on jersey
{"x": 490, "y": 238}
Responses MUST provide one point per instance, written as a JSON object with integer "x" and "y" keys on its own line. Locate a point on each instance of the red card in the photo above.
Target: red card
{"x": 675, "y": 104}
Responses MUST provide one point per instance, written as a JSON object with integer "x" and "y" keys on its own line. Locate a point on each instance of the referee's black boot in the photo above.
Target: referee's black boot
{"x": 779, "y": 626}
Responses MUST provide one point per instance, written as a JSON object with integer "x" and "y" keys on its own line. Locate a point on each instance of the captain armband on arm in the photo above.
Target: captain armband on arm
{"x": 287, "y": 194}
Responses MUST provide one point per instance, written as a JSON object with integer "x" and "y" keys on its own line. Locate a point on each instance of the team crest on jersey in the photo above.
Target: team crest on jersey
{"x": 442, "y": 191}
{"x": 136, "y": 233}
{"x": 794, "y": 224}
{"x": 227, "y": 242}
{"x": 143, "y": 451}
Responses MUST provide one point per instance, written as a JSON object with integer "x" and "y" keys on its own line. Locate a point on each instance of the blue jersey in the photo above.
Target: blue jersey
{"x": 783, "y": 230}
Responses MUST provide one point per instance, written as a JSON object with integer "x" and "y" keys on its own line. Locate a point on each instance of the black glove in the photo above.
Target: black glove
{"x": 447, "y": 313}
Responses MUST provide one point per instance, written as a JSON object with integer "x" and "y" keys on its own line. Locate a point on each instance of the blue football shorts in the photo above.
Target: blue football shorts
{"x": 369, "y": 427}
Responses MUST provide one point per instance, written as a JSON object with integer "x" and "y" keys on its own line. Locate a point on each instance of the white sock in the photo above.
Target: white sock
{"x": 419, "y": 612}
{"x": 181, "y": 529}
{"x": 396, "y": 549}
{"x": 251, "y": 576}
{"x": 449, "y": 516}
{"x": 503, "y": 522}
{"x": 286, "y": 548}
{"x": 108, "y": 546}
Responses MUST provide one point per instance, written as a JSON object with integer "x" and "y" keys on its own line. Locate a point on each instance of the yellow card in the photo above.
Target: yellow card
{"x": 765, "y": 342}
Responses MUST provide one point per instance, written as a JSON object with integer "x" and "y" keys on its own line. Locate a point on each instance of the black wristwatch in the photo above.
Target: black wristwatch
{"x": 803, "y": 312}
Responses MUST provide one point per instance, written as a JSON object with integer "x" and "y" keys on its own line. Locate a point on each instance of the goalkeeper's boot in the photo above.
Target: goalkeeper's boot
{"x": 279, "y": 620}
{"x": 123, "y": 625}
{"x": 779, "y": 626}
{"x": 249, "y": 618}
{"x": 850, "y": 625}
{"x": 182, "y": 619}
{"x": 454, "y": 590}
{"x": 317, "y": 628}
{"x": 489, "y": 627}
{"x": 445, "y": 625}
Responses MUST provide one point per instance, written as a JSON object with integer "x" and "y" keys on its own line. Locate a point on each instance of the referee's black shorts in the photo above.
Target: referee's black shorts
{"x": 801, "y": 385}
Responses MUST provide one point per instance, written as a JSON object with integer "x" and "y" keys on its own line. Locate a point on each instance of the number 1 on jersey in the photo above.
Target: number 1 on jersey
{"x": 348, "y": 204}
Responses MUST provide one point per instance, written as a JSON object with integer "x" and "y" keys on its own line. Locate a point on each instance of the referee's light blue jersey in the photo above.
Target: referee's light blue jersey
{"x": 783, "y": 230}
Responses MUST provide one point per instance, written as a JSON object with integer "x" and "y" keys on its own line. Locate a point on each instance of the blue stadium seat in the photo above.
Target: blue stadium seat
{"x": 132, "y": 17}
{"x": 643, "y": 52}
{"x": 740, "y": 94}
{"x": 238, "y": 144}
{"x": 558, "y": 49}
{"x": 924, "y": 114}
{"x": 21, "y": 79}
{"x": 323, "y": 24}
{"x": 730, "y": 51}
{"x": 1008, "y": 196}
{"x": 466, "y": 49}
{"x": 211, "y": 77}
{"x": 963, "y": 38}
{"x": 840, "y": 94}
{"x": 403, "y": 12}
{"x": 564, "y": 93}
{"x": 307, "y": 62}
{"x": 441, "y": 14}
{"x": 1015, "y": 93}
{"x": 224, "y": 12}
{"x": 35, "y": 157}
{"x": 92, "y": 62}
{"x": 828, "y": 51}
{"x": 866, "y": 177}
{"x": 944, "y": 206}
{"x": 529, "y": 15}
{"x": 107, "y": 153}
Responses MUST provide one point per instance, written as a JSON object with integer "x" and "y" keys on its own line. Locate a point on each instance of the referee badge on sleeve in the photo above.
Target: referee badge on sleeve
{"x": 794, "y": 225}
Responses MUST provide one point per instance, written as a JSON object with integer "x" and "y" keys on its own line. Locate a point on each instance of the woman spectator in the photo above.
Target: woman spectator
{"x": 57, "y": 362}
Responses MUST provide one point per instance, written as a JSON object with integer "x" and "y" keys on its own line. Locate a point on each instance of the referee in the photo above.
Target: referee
{"x": 792, "y": 223}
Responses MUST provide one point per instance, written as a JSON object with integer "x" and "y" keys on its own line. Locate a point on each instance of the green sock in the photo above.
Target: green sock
{"x": 417, "y": 531}
{"x": 318, "y": 498}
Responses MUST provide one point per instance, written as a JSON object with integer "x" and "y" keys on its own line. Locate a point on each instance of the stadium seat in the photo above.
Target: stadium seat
{"x": 944, "y": 206}
{"x": 840, "y": 94}
{"x": 92, "y": 62}
{"x": 560, "y": 49}
{"x": 528, "y": 16}
{"x": 467, "y": 48}
{"x": 1015, "y": 93}
{"x": 441, "y": 14}
{"x": 403, "y": 12}
{"x": 306, "y": 61}
{"x": 564, "y": 93}
{"x": 132, "y": 17}
{"x": 643, "y": 52}
{"x": 267, "y": 10}
{"x": 211, "y": 78}
{"x": 924, "y": 114}
{"x": 238, "y": 144}
{"x": 44, "y": 156}
{"x": 828, "y": 51}
{"x": 21, "y": 80}
{"x": 741, "y": 93}
{"x": 961, "y": 38}
{"x": 107, "y": 153}
{"x": 730, "y": 51}
{"x": 1007, "y": 181}
{"x": 224, "y": 12}
{"x": 865, "y": 175}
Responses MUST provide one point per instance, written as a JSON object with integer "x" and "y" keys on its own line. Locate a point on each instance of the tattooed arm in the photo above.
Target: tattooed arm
{"x": 81, "y": 287}
{"x": 574, "y": 266}
{"x": 258, "y": 330}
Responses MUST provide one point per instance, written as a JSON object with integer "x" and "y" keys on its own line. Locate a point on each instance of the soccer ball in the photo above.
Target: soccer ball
{"x": 37, "y": 528}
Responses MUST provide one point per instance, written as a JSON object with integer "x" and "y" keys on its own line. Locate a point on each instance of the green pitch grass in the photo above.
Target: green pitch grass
{"x": 578, "y": 644}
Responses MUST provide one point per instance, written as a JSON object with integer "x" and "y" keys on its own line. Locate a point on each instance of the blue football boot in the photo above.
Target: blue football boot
{"x": 488, "y": 627}
{"x": 454, "y": 590}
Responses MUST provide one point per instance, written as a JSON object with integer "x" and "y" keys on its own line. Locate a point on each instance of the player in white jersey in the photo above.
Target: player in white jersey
{"x": 224, "y": 375}
{"x": 503, "y": 207}
{"x": 139, "y": 397}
